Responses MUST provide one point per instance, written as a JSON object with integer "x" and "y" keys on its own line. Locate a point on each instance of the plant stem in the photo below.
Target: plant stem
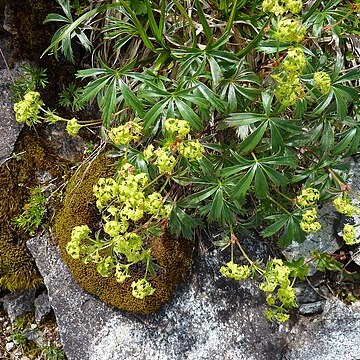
{"x": 278, "y": 204}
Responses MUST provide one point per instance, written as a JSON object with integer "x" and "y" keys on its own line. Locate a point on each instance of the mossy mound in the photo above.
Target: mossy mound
{"x": 18, "y": 177}
{"x": 173, "y": 255}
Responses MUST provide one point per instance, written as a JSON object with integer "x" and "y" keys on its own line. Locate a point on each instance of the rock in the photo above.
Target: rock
{"x": 9, "y": 128}
{"x": 316, "y": 307}
{"x": 9, "y": 346}
{"x": 210, "y": 317}
{"x": 66, "y": 147}
{"x": 306, "y": 294}
{"x": 42, "y": 307}
{"x": 34, "y": 335}
{"x": 324, "y": 241}
{"x": 335, "y": 334}
{"x": 18, "y": 303}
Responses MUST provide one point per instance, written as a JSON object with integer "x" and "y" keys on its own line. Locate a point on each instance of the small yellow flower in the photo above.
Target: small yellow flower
{"x": 289, "y": 31}
{"x": 73, "y": 127}
{"x": 322, "y": 81}
{"x": 348, "y": 234}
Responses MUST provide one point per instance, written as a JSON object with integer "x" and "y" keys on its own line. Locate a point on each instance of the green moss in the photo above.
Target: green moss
{"x": 173, "y": 255}
{"x": 17, "y": 178}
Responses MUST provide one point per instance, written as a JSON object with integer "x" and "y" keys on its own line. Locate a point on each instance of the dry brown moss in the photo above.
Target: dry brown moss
{"x": 17, "y": 178}
{"x": 173, "y": 255}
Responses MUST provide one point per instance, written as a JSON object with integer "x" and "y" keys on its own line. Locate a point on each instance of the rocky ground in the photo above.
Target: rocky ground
{"x": 24, "y": 339}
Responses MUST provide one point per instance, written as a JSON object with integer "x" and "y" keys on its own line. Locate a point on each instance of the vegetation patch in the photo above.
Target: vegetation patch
{"x": 18, "y": 178}
{"x": 172, "y": 255}
{"x": 239, "y": 113}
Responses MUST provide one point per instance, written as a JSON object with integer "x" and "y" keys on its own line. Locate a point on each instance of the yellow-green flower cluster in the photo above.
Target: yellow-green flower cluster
{"x": 165, "y": 161}
{"x": 126, "y": 200}
{"x": 310, "y": 221}
{"x": 191, "y": 149}
{"x": 73, "y": 127}
{"x": 288, "y": 86}
{"x": 276, "y": 276}
{"x": 27, "y": 110}
{"x": 322, "y": 81}
{"x": 122, "y": 272}
{"x": 288, "y": 89}
{"x": 125, "y": 134}
{"x": 308, "y": 197}
{"x": 177, "y": 127}
{"x": 165, "y": 157}
{"x": 348, "y": 234}
{"x": 295, "y": 60}
{"x": 130, "y": 245}
{"x": 78, "y": 234}
{"x": 235, "y": 271}
{"x": 123, "y": 200}
{"x": 289, "y": 31}
{"x": 142, "y": 288}
{"x": 105, "y": 266}
{"x": 280, "y": 7}
{"x": 344, "y": 206}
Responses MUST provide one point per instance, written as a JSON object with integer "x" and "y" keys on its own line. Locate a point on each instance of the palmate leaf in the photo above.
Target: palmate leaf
{"x": 298, "y": 268}
{"x": 257, "y": 170}
{"x": 109, "y": 88}
{"x": 288, "y": 225}
{"x": 181, "y": 223}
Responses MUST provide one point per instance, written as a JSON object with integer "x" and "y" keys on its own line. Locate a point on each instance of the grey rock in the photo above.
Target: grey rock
{"x": 306, "y": 294}
{"x": 316, "y": 307}
{"x": 323, "y": 241}
{"x": 34, "y": 335}
{"x": 65, "y": 146}
{"x": 209, "y": 317}
{"x": 42, "y": 307}
{"x": 18, "y": 303}
{"x": 333, "y": 335}
{"x": 9, "y": 128}
{"x": 9, "y": 346}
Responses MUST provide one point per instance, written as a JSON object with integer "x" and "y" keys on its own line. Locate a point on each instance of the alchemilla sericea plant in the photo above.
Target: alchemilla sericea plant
{"x": 238, "y": 113}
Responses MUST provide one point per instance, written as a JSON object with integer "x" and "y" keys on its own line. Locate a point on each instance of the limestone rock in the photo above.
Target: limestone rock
{"x": 9, "y": 128}
{"x": 42, "y": 307}
{"x": 18, "y": 303}
{"x": 209, "y": 317}
{"x": 335, "y": 334}
{"x": 324, "y": 241}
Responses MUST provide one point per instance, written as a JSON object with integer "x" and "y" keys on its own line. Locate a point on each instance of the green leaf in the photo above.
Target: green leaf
{"x": 244, "y": 183}
{"x": 254, "y": 138}
{"x": 252, "y": 44}
{"x": 298, "y": 268}
{"x": 325, "y": 262}
{"x": 288, "y": 235}
{"x": 130, "y": 99}
{"x": 261, "y": 186}
{"x": 275, "y": 177}
{"x": 153, "y": 114}
{"x": 199, "y": 196}
{"x": 182, "y": 223}
{"x": 204, "y": 22}
{"x": 341, "y": 106}
{"x": 217, "y": 206}
{"x": 276, "y": 226}
{"x": 188, "y": 114}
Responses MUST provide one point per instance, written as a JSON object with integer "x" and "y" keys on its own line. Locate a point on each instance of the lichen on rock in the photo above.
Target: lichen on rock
{"x": 171, "y": 254}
